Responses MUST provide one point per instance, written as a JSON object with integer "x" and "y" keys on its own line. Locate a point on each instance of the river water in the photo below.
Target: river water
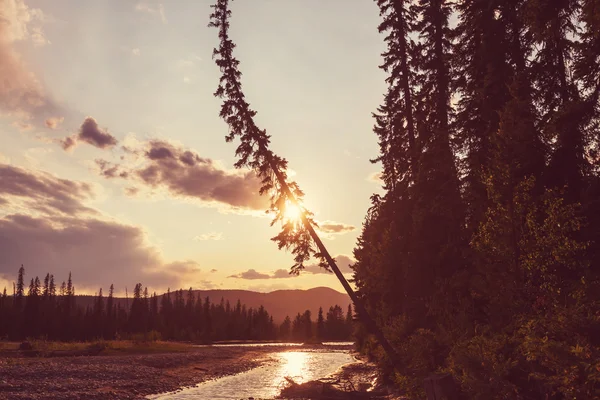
{"x": 266, "y": 382}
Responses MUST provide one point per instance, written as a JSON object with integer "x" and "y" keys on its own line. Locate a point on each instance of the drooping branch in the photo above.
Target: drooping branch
{"x": 253, "y": 151}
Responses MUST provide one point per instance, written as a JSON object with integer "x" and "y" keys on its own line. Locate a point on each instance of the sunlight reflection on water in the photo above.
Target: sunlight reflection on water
{"x": 267, "y": 381}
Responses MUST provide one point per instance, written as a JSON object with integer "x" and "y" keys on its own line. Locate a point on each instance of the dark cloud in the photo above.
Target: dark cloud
{"x": 91, "y": 133}
{"x": 335, "y": 227}
{"x": 184, "y": 173}
{"x": 212, "y": 271}
{"x": 342, "y": 261}
{"x": 97, "y": 252}
{"x": 110, "y": 170}
{"x": 68, "y": 143}
{"x": 45, "y": 192}
{"x": 49, "y": 229}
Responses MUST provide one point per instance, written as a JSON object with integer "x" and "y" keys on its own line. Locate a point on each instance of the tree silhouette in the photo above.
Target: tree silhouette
{"x": 253, "y": 151}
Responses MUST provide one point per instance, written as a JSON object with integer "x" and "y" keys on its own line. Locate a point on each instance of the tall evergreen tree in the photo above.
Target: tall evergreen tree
{"x": 553, "y": 28}
{"x": 320, "y": 325}
{"x": 20, "y": 290}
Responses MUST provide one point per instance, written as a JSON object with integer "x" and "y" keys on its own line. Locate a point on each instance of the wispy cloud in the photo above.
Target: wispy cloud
{"x": 342, "y": 261}
{"x": 332, "y": 227}
{"x": 22, "y": 96}
{"x": 54, "y": 122}
{"x": 209, "y": 236}
{"x": 253, "y": 274}
{"x": 157, "y": 10}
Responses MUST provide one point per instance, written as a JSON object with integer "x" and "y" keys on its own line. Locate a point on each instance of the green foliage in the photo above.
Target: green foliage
{"x": 483, "y": 366}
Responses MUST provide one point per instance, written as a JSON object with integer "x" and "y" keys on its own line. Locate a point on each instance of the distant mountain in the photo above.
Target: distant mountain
{"x": 278, "y": 303}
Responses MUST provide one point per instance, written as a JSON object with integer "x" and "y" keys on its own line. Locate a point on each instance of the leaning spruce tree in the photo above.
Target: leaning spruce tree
{"x": 253, "y": 152}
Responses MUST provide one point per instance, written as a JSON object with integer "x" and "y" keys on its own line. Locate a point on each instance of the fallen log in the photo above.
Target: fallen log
{"x": 326, "y": 389}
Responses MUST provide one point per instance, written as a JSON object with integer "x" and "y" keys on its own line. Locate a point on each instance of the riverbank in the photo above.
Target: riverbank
{"x": 127, "y": 375}
{"x": 358, "y": 380}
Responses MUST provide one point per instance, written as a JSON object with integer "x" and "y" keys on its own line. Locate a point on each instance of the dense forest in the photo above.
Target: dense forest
{"x": 45, "y": 311}
{"x": 481, "y": 257}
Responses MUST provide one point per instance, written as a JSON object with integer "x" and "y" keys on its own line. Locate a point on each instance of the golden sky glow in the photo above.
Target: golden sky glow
{"x": 110, "y": 107}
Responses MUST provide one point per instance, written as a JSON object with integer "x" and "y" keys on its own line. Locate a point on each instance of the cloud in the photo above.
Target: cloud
{"x": 135, "y": 52}
{"x": 212, "y": 271}
{"x": 91, "y": 133}
{"x": 251, "y": 274}
{"x": 48, "y": 228}
{"x": 109, "y": 170}
{"x": 282, "y": 273}
{"x": 97, "y": 252}
{"x": 68, "y": 143}
{"x": 35, "y": 155}
{"x": 22, "y": 96}
{"x": 43, "y": 192}
{"x": 183, "y": 173}
{"x": 187, "y": 68}
{"x": 209, "y": 236}
{"x": 23, "y": 125}
{"x": 131, "y": 191}
{"x": 157, "y": 10}
{"x": 54, "y": 122}
{"x": 331, "y": 227}
{"x": 342, "y": 261}
{"x": 4, "y": 159}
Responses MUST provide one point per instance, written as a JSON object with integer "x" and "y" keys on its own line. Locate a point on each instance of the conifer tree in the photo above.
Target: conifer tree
{"x": 20, "y": 289}
{"x": 552, "y": 26}
{"x": 46, "y": 290}
{"x": 253, "y": 151}
{"x": 52, "y": 287}
{"x": 320, "y": 325}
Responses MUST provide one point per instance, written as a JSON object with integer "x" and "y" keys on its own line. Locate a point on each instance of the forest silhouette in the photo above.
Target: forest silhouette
{"x": 43, "y": 311}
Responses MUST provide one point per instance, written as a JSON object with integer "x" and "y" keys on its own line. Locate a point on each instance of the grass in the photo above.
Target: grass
{"x": 109, "y": 347}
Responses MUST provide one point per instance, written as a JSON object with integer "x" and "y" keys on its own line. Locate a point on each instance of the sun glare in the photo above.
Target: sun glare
{"x": 292, "y": 212}
{"x": 295, "y": 365}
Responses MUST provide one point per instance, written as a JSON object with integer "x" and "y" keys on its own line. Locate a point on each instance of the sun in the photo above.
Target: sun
{"x": 292, "y": 213}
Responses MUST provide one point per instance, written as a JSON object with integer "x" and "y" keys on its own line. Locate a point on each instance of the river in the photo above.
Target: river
{"x": 267, "y": 381}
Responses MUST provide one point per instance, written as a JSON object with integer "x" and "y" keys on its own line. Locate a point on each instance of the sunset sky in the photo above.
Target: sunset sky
{"x": 113, "y": 163}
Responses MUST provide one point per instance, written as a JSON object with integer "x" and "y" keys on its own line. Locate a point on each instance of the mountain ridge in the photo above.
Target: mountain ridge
{"x": 278, "y": 303}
